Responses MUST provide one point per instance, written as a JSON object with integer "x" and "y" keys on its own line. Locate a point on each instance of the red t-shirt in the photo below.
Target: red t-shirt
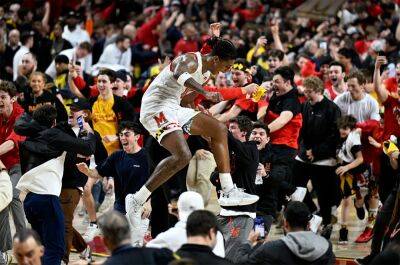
{"x": 288, "y": 135}
{"x": 391, "y": 117}
{"x": 11, "y": 158}
{"x": 184, "y": 46}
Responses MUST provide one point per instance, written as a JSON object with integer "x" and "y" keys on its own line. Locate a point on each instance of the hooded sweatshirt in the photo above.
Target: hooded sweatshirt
{"x": 297, "y": 248}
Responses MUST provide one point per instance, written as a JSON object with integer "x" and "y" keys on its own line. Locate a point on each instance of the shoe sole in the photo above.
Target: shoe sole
{"x": 221, "y": 203}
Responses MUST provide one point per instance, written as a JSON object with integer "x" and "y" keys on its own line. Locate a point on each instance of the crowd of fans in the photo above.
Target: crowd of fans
{"x": 72, "y": 76}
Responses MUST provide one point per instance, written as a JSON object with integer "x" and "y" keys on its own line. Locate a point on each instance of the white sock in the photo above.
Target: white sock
{"x": 226, "y": 181}
{"x": 142, "y": 195}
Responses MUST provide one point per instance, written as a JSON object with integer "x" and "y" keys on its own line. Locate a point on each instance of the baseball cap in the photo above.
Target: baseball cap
{"x": 61, "y": 58}
{"x": 121, "y": 74}
{"x": 175, "y": 2}
{"x": 80, "y": 104}
{"x": 188, "y": 202}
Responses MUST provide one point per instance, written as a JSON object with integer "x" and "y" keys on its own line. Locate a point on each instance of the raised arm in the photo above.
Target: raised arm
{"x": 379, "y": 89}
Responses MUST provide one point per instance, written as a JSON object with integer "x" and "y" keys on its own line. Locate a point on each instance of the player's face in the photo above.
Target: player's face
{"x": 259, "y": 135}
{"x": 222, "y": 66}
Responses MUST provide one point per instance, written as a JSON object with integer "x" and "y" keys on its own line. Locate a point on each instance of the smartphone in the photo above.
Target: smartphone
{"x": 78, "y": 63}
{"x": 392, "y": 70}
{"x": 259, "y": 227}
{"x": 80, "y": 122}
{"x": 323, "y": 45}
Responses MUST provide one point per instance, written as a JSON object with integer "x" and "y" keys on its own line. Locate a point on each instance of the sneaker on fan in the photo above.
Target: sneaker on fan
{"x": 236, "y": 197}
{"x": 315, "y": 222}
{"x": 365, "y": 236}
{"x": 134, "y": 211}
{"x": 86, "y": 254}
{"x": 299, "y": 194}
{"x": 5, "y": 258}
{"x": 91, "y": 232}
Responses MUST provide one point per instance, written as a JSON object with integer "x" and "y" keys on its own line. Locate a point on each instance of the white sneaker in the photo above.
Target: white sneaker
{"x": 315, "y": 222}
{"x": 91, "y": 232}
{"x": 5, "y": 258}
{"x": 133, "y": 210}
{"x": 236, "y": 197}
{"x": 86, "y": 254}
{"x": 299, "y": 194}
{"x": 139, "y": 234}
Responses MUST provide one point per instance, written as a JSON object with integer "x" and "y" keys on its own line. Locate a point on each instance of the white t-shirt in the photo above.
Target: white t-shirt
{"x": 345, "y": 152}
{"x": 76, "y": 36}
{"x": 363, "y": 110}
{"x": 113, "y": 55}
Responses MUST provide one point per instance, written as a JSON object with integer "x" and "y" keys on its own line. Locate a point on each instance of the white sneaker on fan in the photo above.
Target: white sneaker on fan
{"x": 236, "y": 197}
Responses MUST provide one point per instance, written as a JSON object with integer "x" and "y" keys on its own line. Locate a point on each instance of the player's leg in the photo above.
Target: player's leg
{"x": 207, "y": 126}
{"x": 176, "y": 144}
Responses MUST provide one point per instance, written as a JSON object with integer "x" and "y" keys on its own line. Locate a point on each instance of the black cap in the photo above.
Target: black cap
{"x": 26, "y": 34}
{"x": 121, "y": 74}
{"x": 72, "y": 14}
{"x": 80, "y": 104}
{"x": 61, "y": 58}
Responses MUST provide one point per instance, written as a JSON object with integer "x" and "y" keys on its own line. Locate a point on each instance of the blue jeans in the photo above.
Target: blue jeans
{"x": 46, "y": 217}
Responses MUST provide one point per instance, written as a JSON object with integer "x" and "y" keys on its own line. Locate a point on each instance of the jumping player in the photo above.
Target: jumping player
{"x": 164, "y": 118}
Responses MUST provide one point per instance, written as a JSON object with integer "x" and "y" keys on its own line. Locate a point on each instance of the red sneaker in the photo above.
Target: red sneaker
{"x": 365, "y": 236}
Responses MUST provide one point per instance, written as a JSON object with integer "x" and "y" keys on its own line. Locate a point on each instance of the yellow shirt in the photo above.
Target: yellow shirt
{"x": 260, "y": 61}
{"x": 105, "y": 122}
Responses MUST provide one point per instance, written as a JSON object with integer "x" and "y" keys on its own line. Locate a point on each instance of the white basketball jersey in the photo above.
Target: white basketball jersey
{"x": 165, "y": 90}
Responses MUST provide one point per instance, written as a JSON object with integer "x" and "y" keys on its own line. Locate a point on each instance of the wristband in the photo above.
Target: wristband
{"x": 183, "y": 78}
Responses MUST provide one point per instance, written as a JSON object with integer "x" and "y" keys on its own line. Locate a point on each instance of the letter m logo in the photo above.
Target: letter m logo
{"x": 160, "y": 119}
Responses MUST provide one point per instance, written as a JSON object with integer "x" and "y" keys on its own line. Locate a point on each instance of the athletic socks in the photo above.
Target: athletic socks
{"x": 372, "y": 213}
{"x": 226, "y": 181}
{"x": 142, "y": 195}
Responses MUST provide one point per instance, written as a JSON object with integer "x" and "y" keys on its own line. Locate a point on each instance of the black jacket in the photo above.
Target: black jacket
{"x": 319, "y": 132}
{"x": 296, "y": 248}
{"x": 244, "y": 157}
{"x": 72, "y": 177}
{"x": 200, "y": 254}
{"x": 43, "y": 144}
{"x": 127, "y": 255}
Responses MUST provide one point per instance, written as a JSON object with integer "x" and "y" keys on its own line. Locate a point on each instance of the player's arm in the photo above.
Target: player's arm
{"x": 182, "y": 68}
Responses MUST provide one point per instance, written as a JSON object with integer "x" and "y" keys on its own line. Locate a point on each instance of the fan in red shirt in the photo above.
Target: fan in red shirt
{"x": 10, "y": 111}
{"x": 189, "y": 42}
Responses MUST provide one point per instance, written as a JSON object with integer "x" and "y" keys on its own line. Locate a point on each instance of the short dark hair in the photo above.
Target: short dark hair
{"x": 336, "y": 63}
{"x": 108, "y": 72}
{"x": 260, "y": 125}
{"x": 130, "y": 125}
{"x": 86, "y": 46}
{"x": 200, "y": 222}
{"x": 297, "y": 215}
{"x": 346, "y": 52}
{"x": 224, "y": 49}
{"x": 244, "y": 123}
{"x": 359, "y": 76}
{"x": 347, "y": 121}
{"x": 8, "y": 87}
{"x": 45, "y": 115}
{"x": 114, "y": 227}
{"x": 286, "y": 72}
{"x": 121, "y": 38}
{"x": 276, "y": 53}
{"x": 27, "y": 233}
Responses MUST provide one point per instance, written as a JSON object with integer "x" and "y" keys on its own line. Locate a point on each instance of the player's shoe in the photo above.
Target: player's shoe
{"x": 91, "y": 232}
{"x": 236, "y": 197}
